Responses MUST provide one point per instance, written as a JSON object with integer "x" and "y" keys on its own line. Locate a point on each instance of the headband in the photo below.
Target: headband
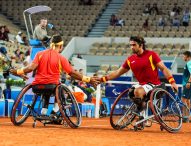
{"x": 52, "y": 45}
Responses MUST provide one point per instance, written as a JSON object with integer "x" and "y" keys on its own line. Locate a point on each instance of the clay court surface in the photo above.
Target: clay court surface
{"x": 93, "y": 132}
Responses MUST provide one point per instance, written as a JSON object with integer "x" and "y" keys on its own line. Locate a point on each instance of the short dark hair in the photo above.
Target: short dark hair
{"x": 187, "y": 53}
{"x": 56, "y": 39}
{"x": 139, "y": 40}
{"x": 43, "y": 18}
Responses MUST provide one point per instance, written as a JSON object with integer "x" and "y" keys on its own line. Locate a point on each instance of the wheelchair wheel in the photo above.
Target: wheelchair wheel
{"x": 68, "y": 106}
{"x": 122, "y": 112}
{"x": 167, "y": 115}
{"x": 183, "y": 107}
{"x": 22, "y": 106}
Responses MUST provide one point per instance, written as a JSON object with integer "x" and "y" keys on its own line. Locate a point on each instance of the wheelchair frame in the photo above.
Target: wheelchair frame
{"x": 130, "y": 113}
{"x": 65, "y": 107}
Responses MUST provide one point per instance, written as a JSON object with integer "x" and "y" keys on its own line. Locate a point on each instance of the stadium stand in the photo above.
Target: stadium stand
{"x": 123, "y": 49}
{"x": 132, "y": 13}
{"x": 71, "y": 23}
{"x": 5, "y": 22}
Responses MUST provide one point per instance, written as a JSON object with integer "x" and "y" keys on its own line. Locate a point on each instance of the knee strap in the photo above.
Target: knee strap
{"x": 131, "y": 92}
{"x": 137, "y": 100}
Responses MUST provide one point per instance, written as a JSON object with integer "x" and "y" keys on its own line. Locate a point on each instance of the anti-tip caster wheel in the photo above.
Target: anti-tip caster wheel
{"x": 34, "y": 125}
{"x": 135, "y": 128}
{"x": 65, "y": 124}
{"x": 161, "y": 128}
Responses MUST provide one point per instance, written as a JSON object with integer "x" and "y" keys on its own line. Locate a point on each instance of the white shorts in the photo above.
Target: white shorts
{"x": 146, "y": 87}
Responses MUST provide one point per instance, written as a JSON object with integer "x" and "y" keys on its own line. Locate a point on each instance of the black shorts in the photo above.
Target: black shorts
{"x": 186, "y": 93}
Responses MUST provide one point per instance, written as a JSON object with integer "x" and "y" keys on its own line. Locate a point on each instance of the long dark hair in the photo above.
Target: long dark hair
{"x": 139, "y": 40}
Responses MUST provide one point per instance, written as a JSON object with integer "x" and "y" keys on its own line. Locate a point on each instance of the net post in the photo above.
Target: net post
{"x": 98, "y": 97}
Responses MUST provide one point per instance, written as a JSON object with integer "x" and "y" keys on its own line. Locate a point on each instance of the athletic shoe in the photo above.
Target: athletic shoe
{"x": 54, "y": 116}
{"x": 185, "y": 120}
{"x": 141, "y": 125}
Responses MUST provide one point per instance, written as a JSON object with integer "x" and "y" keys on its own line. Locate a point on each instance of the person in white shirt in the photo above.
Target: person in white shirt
{"x": 19, "y": 38}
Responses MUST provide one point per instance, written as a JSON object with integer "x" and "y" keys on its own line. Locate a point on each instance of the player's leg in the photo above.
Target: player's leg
{"x": 186, "y": 101}
{"x": 45, "y": 103}
{"x": 140, "y": 93}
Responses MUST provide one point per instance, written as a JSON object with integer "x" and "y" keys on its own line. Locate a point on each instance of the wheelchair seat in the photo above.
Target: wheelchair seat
{"x": 44, "y": 89}
{"x": 147, "y": 97}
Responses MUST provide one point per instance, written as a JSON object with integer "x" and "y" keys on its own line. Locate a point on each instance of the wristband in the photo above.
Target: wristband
{"x": 86, "y": 79}
{"x": 104, "y": 79}
{"x": 171, "y": 80}
{"x": 20, "y": 71}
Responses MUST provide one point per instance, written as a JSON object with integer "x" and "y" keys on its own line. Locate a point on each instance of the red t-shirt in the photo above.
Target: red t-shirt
{"x": 50, "y": 64}
{"x": 144, "y": 67}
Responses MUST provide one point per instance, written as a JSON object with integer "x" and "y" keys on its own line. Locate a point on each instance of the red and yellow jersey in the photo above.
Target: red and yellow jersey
{"x": 50, "y": 65}
{"x": 144, "y": 67}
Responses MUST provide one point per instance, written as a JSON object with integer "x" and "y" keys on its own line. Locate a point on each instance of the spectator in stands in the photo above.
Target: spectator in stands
{"x": 4, "y": 33}
{"x": 26, "y": 42}
{"x": 86, "y": 88}
{"x": 68, "y": 80}
{"x": 147, "y": 10}
{"x": 89, "y": 2}
{"x": 79, "y": 56}
{"x": 19, "y": 38}
{"x": 74, "y": 81}
{"x": 154, "y": 9}
{"x": 186, "y": 17}
{"x": 40, "y": 32}
{"x": 80, "y": 83}
{"x": 146, "y": 25}
{"x": 63, "y": 77}
{"x": 176, "y": 21}
{"x": 162, "y": 21}
{"x": 186, "y": 82}
{"x": 175, "y": 10}
{"x": 113, "y": 20}
{"x": 6, "y": 29}
{"x": 86, "y": 2}
{"x": 21, "y": 57}
{"x": 17, "y": 52}
{"x": 120, "y": 22}
{"x": 27, "y": 58}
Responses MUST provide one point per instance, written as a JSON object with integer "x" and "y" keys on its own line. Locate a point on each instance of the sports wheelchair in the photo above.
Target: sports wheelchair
{"x": 26, "y": 106}
{"x": 162, "y": 108}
